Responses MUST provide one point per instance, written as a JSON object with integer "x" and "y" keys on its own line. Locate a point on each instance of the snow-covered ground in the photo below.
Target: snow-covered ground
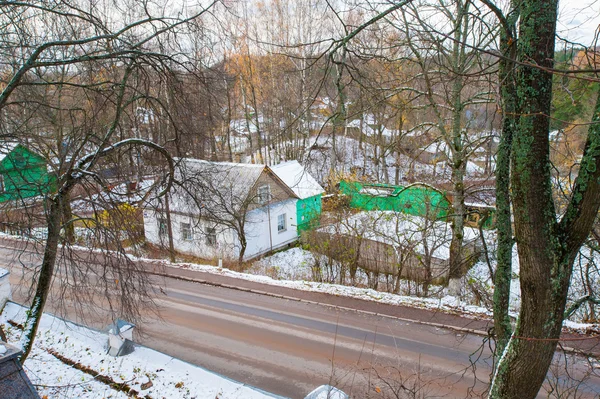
{"x": 169, "y": 377}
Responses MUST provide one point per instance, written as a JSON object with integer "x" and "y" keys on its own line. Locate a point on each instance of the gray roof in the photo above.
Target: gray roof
{"x": 214, "y": 185}
{"x": 14, "y": 383}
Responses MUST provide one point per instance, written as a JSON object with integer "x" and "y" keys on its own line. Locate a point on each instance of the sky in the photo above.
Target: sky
{"x": 578, "y": 20}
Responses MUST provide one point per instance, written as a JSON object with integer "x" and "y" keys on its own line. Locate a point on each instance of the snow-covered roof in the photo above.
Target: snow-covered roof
{"x": 436, "y": 147}
{"x": 298, "y": 179}
{"x": 217, "y": 184}
{"x": 6, "y": 148}
{"x": 400, "y": 229}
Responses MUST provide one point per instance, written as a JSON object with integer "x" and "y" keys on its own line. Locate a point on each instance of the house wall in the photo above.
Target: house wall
{"x": 278, "y": 190}
{"x": 227, "y": 243}
{"x": 262, "y": 234}
{"x": 24, "y": 175}
{"x": 308, "y": 212}
{"x": 258, "y": 236}
{"x": 418, "y": 200}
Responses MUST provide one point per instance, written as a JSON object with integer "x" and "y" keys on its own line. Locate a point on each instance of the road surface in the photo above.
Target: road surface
{"x": 289, "y": 347}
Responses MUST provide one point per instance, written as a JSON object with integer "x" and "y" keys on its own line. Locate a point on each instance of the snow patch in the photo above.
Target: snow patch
{"x": 170, "y": 377}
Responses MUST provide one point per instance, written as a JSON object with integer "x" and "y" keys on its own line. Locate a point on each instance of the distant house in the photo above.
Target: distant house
{"x": 23, "y": 173}
{"x": 418, "y": 199}
{"x": 306, "y": 188}
{"x": 228, "y": 210}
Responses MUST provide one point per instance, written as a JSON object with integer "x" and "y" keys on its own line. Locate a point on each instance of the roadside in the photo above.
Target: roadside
{"x": 588, "y": 345}
{"x": 430, "y": 312}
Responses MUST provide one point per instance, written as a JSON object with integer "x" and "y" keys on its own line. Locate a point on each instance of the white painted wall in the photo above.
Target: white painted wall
{"x": 263, "y": 236}
{"x": 227, "y": 243}
{"x": 5, "y": 292}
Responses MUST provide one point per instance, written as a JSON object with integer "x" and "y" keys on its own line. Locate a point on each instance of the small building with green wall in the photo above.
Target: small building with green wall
{"x": 417, "y": 199}
{"x": 23, "y": 173}
{"x": 306, "y": 188}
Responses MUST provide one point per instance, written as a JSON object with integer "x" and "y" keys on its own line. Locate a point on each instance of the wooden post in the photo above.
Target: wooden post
{"x": 169, "y": 230}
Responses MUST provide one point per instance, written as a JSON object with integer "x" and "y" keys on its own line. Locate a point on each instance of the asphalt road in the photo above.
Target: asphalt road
{"x": 289, "y": 347}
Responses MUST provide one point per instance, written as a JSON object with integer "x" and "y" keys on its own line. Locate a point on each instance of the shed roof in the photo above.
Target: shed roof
{"x": 395, "y": 227}
{"x": 6, "y": 148}
{"x": 298, "y": 179}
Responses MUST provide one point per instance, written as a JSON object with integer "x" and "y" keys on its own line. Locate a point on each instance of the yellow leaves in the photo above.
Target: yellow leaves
{"x": 377, "y": 389}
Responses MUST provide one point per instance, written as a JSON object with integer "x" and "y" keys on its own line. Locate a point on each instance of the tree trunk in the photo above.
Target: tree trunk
{"x": 457, "y": 151}
{"x": 67, "y": 215}
{"x": 169, "y": 229}
{"x": 503, "y": 273}
{"x": 243, "y": 245}
{"x": 458, "y": 227}
{"x": 545, "y": 271}
{"x": 46, "y": 273}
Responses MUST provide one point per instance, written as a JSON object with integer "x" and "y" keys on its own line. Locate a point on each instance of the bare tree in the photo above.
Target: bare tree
{"x": 103, "y": 56}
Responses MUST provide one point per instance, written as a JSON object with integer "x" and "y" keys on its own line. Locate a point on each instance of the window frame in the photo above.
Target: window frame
{"x": 282, "y": 218}
{"x": 184, "y": 230}
{"x": 163, "y": 229}
{"x": 211, "y": 236}
{"x": 264, "y": 194}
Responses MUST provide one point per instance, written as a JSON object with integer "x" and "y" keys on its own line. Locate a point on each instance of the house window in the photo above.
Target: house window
{"x": 281, "y": 223}
{"x": 162, "y": 227}
{"x": 264, "y": 194}
{"x": 186, "y": 231}
{"x": 211, "y": 236}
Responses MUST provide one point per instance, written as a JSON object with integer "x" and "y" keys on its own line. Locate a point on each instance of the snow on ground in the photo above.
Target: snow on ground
{"x": 350, "y": 157}
{"x": 170, "y": 377}
{"x": 293, "y": 264}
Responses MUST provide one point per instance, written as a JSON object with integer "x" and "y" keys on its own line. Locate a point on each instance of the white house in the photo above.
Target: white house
{"x": 225, "y": 210}
{"x": 306, "y": 188}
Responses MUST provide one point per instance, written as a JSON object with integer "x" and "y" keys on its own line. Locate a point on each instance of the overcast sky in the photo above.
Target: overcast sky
{"x": 578, "y": 20}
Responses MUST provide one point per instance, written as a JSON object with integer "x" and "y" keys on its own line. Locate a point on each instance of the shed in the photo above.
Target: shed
{"x": 306, "y": 188}
{"x": 23, "y": 173}
{"x": 417, "y": 199}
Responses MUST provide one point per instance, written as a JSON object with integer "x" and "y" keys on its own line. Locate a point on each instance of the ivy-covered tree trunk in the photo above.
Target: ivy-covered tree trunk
{"x": 546, "y": 247}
